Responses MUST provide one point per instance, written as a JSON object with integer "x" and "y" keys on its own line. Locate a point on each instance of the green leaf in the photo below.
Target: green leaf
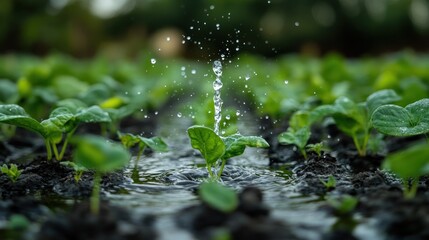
{"x": 99, "y": 154}
{"x": 380, "y": 98}
{"x": 207, "y": 142}
{"x": 72, "y": 104}
{"x": 236, "y": 144}
{"x": 15, "y": 115}
{"x": 409, "y": 163}
{"x": 299, "y": 137}
{"x": 155, "y": 143}
{"x": 321, "y": 112}
{"x": 398, "y": 121}
{"x": 128, "y": 140}
{"x": 300, "y": 119}
{"x": 55, "y": 124}
{"x": 69, "y": 86}
{"x": 92, "y": 114}
{"x": 218, "y": 196}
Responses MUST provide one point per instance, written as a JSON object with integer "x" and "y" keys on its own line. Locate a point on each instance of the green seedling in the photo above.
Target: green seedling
{"x": 409, "y": 165}
{"x": 154, "y": 143}
{"x": 317, "y": 148}
{"x": 354, "y": 119}
{"x": 218, "y": 196}
{"x": 59, "y": 127}
{"x": 102, "y": 156}
{"x": 298, "y": 132}
{"x": 12, "y": 171}
{"x": 331, "y": 183}
{"x": 78, "y": 169}
{"x": 394, "y": 120}
{"x": 216, "y": 149}
{"x": 343, "y": 206}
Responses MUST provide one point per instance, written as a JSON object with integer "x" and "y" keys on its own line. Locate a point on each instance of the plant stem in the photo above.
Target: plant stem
{"x": 303, "y": 153}
{"x": 221, "y": 168}
{"x": 209, "y": 169}
{"x": 95, "y": 196}
{"x": 55, "y": 149}
{"x": 410, "y": 193}
{"x": 48, "y": 149}
{"x": 66, "y": 141}
{"x": 361, "y": 152}
{"x": 139, "y": 154}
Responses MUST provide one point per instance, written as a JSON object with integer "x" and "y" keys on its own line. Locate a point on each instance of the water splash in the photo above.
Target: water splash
{"x": 217, "y": 85}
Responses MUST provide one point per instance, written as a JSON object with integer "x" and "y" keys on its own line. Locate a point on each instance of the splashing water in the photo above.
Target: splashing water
{"x": 217, "y": 85}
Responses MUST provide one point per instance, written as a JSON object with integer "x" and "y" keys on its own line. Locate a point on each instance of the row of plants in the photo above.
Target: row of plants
{"x": 66, "y": 94}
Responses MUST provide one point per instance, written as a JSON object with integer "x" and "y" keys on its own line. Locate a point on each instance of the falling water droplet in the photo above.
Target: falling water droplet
{"x": 296, "y": 24}
{"x": 217, "y": 85}
{"x": 153, "y": 61}
{"x": 179, "y": 114}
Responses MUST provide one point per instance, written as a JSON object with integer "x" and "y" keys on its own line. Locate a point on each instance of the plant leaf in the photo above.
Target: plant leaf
{"x": 236, "y": 144}
{"x": 99, "y": 154}
{"x": 380, "y": 98}
{"x": 207, "y": 142}
{"x": 409, "y": 163}
{"x": 155, "y": 143}
{"x": 15, "y": 115}
{"x": 218, "y": 196}
{"x": 299, "y": 137}
{"x": 398, "y": 121}
{"x": 92, "y": 114}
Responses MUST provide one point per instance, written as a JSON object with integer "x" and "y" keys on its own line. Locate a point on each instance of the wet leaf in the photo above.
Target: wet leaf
{"x": 155, "y": 143}
{"x": 207, "y": 142}
{"x": 218, "y": 196}
{"x": 299, "y": 137}
{"x": 236, "y": 144}
{"x": 92, "y": 114}
{"x": 99, "y": 154}
{"x": 15, "y": 115}
{"x": 398, "y": 121}
{"x": 409, "y": 163}
{"x": 380, "y": 98}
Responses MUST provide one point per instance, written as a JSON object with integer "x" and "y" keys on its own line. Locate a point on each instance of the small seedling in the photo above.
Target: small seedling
{"x": 317, "y": 148}
{"x": 298, "y": 132}
{"x": 154, "y": 143}
{"x": 218, "y": 196}
{"x": 331, "y": 183}
{"x": 62, "y": 121}
{"x": 214, "y": 148}
{"x": 102, "y": 156}
{"x": 78, "y": 169}
{"x": 344, "y": 205}
{"x": 409, "y": 164}
{"x": 354, "y": 119}
{"x": 12, "y": 171}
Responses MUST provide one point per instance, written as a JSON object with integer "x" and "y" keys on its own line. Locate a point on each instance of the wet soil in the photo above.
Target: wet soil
{"x": 381, "y": 205}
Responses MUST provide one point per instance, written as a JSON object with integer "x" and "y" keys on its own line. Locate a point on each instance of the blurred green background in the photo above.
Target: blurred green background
{"x": 209, "y": 28}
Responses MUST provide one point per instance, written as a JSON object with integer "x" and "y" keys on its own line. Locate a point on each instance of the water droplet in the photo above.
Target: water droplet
{"x": 168, "y": 39}
{"x": 153, "y": 60}
{"x": 296, "y": 24}
{"x": 138, "y": 93}
{"x": 212, "y": 7}
{"x": 227, "y": 117}
{"x": 286, "y": 82}
{"x": 237, "y": 113}
{"x": 193, "y": 71}
{"x": 217, "y": 68}
{"x": 179, "y": 114}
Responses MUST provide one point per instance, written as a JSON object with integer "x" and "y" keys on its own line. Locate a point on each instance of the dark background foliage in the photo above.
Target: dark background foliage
{"x": 122, "y": 28}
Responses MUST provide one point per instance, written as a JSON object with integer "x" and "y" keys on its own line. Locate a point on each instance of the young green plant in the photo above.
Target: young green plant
{"x": 102, "y": 156}
{"x": 216, "y": 149}
{"x": 409, "y": 165}
{"x": 12, "y": 171}
{"x": 62, "y": 121}
{"x": 154, "y": 143}
{"x": 354, "y": 119}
